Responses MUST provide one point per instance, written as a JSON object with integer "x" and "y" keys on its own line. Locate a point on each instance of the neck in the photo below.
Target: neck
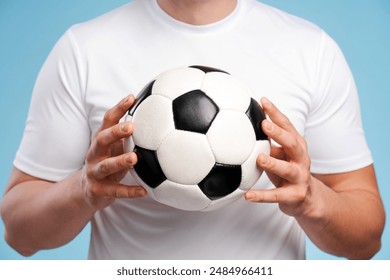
{"x": 198, "y": 12}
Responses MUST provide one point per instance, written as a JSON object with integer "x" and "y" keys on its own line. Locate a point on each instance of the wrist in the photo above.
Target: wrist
{"x": 80, "y": 195}
{"x": 314, "y": 208}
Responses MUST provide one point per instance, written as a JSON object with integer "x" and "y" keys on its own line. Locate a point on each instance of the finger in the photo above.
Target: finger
{"x": 113, "y": 115}
{"x": 117, "y": 148}
{"x": 280, "y": 168}
{"x": 278, "y": 152}
{"x": 113, "y": 165}
{"x": 104, "y": 139}
{"x": 277, "y": 117}
{"x": 287, "y": 140}
{"x": 288, "y": 195}
{"x": 124, "y": 191}
{"x": 117, "y": 190}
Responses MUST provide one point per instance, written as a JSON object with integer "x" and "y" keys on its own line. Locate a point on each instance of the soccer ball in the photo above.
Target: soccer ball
{"x": 197, "y": 134}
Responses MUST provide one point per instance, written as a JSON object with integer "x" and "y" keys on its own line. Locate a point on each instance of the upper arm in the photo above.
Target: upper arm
{"x": 18, "y": 177}
{"x": 360, "y": 179}
{"x": 57, "y": 133}
{"x": 360, "y": 183}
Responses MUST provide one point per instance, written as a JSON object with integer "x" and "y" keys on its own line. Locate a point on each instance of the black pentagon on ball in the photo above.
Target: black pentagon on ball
{"x": 148, "y": 168}
{"x": 143, "y": 94}
{"x": 222, "y": 180}
{"x": 194, "y": 111}
{"x": 256, "y": 116}
{"x": 208, "y": 69}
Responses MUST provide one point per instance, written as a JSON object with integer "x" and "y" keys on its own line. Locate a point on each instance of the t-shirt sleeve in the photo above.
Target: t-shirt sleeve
{"x": 334, "y": 132}
{"x": 57, "y": 135}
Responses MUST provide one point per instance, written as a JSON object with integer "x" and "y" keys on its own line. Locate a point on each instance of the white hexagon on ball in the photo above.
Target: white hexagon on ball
{"x": 153, "y": 121}
{"x": 185, "y": 157}
{"x": 231, "y": 137}
{"x": 175, "y": 82}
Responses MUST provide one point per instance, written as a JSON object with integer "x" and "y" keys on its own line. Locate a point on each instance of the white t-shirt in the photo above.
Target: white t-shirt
{"x": 97, "y": 63}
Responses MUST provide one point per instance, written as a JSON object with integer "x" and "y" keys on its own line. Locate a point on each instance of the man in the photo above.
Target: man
{"x": 71, "y": 169}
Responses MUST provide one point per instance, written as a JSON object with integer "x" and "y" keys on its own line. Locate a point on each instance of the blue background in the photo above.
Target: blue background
{"x": 29, "y": 29}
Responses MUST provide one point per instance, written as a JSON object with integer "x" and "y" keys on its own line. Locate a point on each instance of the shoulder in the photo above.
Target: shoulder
{"x": 289, "y": 38}
{"x": 118, "y": 23}
{"x": 283, "y": 27}
{"x": 282, "y": 19}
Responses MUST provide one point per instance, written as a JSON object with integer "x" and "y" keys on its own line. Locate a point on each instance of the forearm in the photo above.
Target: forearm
{"x": 42, "y": 215}
{"x": 347, "y": 224}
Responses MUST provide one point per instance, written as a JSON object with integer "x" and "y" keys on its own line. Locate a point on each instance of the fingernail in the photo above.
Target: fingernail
{"x": 130, "y": 98}
{"x": 269, "y": 125}
{"x": 128, "y": 159}
{"x": 124, "y": 101}
{"x": 265, "y": 100}
{"x": 250, "y": 196}
{"x": 264, "y": 159}
{"x": 125, "y": 127}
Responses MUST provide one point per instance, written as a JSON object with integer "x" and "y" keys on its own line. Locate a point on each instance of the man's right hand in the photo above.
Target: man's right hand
{"x": 106, "y": 163}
